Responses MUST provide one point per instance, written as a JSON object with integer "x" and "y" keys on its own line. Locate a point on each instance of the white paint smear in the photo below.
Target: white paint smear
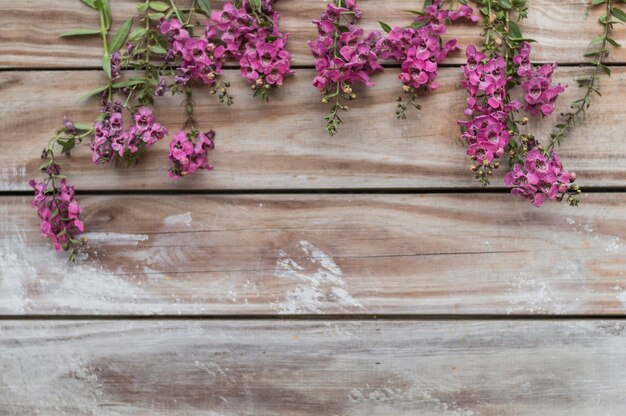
{"x": 34, "y": 274}
{"x": 115, "y": 237}
{"x": 178, "y": 219}
{"x": 318, "y": 281}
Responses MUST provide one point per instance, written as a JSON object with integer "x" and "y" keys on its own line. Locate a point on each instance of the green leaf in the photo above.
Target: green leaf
{"x": 121, "y": 35}
{"x": 156, "y": 16}
{"x": 80, "y": 32}
{"x": 606, "y": 69}
{"x": 93, "y": 92}
{"x": 82, "y": 126}
{"x": 89, "y": 3}
{"x": 613, "y": 42}
{"x": 158, "y": 49}
{"x": 129, "y": 83}
{"x": 106, "y": 65}
{"x": 385, "y": 27}
{"x": 618, "y": 13}
{"x": 205, "y": 6}
{"x": 514, "y": 30}
{"x": 596, "y": 2}
{"x": 137, "y": 33}
{"x": 158, "y": 6}
{"x": 506, "y": 4}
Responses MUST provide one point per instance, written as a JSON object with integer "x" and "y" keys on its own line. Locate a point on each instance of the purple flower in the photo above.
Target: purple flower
{"x": 186, "y": 157}
{"x": 112, "y": 141}
{"x": 539, "y": 94}
{"x": 541, "y": 177}
{"x": 420, "y": 49}
{"x": 58, "y": 211}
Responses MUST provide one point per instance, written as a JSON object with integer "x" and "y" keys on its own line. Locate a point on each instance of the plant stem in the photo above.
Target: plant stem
{"x": 105, "y": 45}
{"x": 582, "y": 104}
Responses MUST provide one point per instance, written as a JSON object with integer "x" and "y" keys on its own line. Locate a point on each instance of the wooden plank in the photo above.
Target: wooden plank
{"x": 320, "y": 254}
{"x": 228, "y": 368}
{"x": 282, "y": 144}
{"x": 29, "y": 31}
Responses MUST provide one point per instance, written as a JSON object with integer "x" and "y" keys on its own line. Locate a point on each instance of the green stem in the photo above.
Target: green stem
{"x": 178, "y": 15}
{"x": 105, "y": 46}
{"x": 580, "y": 105}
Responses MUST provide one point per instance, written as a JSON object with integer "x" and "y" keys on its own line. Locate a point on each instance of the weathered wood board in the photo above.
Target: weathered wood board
{"x": 562, "y": 28}
{"x": 231, "y": 262}
{"x": 357, "y": 368}
{"x": 317, "y": 254}
{"x": 289, "y": 149}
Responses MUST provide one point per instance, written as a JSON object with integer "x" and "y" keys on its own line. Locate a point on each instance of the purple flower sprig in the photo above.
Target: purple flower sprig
{"x": 343, "y": 57}
{"x": 200, "y": 58}
{"x": 188, "y": 150}
{"x": 250, "y": 34}
{"x": 419, "y": 48}
{"x": 55, "y": 201}
{"x": 113, "y": 143}
{"x": 493, "y": 129}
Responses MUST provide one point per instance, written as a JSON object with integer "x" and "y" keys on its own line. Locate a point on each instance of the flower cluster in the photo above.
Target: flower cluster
{"x": 343, "y": 56}
{"x": 493, "y": 131}
{"x": 200, "y": 58}
{"x": 189, "y": 152}
{"x": 486, "y": 133}
{"x": 539, "y": 94}
{"x": 111, "y": 141}
{"x": 252, "y": 36}
{"x": 57, "y": 209}
{"x": 541, "y": 176}
{"x": 419, "y": 47}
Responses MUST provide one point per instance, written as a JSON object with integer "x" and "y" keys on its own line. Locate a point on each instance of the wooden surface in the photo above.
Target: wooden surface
{"x": 282, "y": 261}
{"x": 291, "y": 150}
{"x": 318, "y": 254}
{"x": 354, "y": 368}
{"x": 562, "y": 28}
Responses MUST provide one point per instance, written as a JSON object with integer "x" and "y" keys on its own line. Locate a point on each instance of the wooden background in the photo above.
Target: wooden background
{"x": 365, "y": 274}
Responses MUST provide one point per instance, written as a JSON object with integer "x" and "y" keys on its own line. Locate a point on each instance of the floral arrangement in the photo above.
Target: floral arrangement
{"x": 163, "y": 55}
{"x": 419, "y": 48}
{"x": 343, "y": 56}
{"x": 493, "y": 133}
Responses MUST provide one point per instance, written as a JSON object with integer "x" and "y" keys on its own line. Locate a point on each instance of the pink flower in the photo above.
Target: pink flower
{"x": 58, "y": 211}
{"x": 111, "y": 141}
{"x": 541, "y": 177}
{"x": 186, "y": 157}
{"x": 540, "y": 95}
{"x": 420, "y": 49}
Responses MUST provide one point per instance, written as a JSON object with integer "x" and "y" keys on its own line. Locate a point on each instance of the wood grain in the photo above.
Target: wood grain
{"x": 282, "y": 144}
{"x": 320, "y": 254}
{"x": 29, "y": 31}
{"x": 228, "y": 368}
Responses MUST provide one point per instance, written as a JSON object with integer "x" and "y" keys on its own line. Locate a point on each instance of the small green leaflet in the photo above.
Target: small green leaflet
{"x": 596, "y": 2}
{"x": 106, "y": 65}
{"x": 129, "y": 83}
{"x": 93, "y": 92}
{"x": 385, "y": 27}
{"x": 205, "y": 6}
{"x": 89, "y": 3}
{"x": 121, "y": 35}
{"x": 514, "y": 30}
{"x": 619, "y": 14}
{"x": 158, "y": 6}
{"x": 506, "y": 4}
{"x": 80, "y": 32}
